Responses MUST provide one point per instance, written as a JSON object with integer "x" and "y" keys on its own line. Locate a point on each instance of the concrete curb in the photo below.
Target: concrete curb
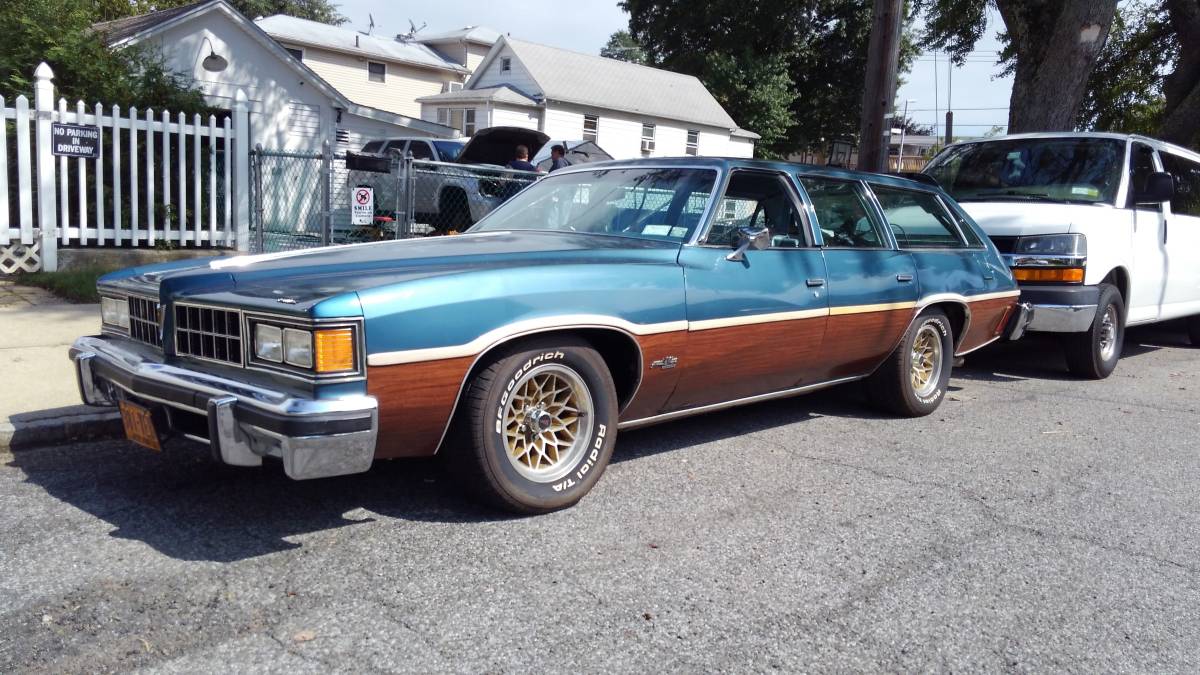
{"x": 59, "y": 425}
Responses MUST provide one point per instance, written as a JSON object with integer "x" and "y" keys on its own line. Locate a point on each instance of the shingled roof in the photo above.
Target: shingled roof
{"x": 596, "y": 81}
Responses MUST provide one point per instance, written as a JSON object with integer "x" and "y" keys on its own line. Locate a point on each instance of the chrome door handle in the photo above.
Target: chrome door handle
{"x": 814, "y": 283}
{"x": 904, "y": 277}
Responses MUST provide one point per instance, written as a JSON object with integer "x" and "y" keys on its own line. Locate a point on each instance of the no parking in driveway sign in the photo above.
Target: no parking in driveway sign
{"x": 362, "y": 205}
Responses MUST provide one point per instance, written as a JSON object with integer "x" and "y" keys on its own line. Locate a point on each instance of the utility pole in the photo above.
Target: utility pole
{"x": 950, "y": 103}
{"x": 883, "y": 56}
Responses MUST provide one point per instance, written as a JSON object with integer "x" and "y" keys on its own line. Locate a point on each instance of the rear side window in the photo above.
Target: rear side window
{"x": 1186, "y": 201}
{"x": 420, "y": 150}
{"x": 842, "y": 213}
{"x": 918, "y": 219}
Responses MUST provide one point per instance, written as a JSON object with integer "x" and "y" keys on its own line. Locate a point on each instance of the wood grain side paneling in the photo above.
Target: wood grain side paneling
{"x": 415, "y": 402}
{"x": 985, "y": 318}
{"x": 722, "y": 364}
{"x": 855, "y": 344}
{"x": 657, "y": 383}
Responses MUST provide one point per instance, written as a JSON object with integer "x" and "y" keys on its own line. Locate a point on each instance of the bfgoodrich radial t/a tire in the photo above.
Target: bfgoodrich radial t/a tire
{"x": 538, "y": 426}
{"x": 912, "y": 381}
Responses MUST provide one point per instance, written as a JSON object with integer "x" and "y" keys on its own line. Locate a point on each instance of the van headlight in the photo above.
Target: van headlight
{"x": 1066, "y": 245}
{"x": 115, "y": 312}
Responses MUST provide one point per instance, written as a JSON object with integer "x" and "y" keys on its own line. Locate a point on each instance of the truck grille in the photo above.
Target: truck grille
{"x": 208, "y": 333}
{"x": 145, "y": 322}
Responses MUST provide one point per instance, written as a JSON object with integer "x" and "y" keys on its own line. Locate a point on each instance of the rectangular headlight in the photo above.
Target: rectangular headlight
{"x": 115, "y": 312}
{"x": 297, "y": 347}
{"x": 1067, "y": 245}
{"x": 268, "y": 342}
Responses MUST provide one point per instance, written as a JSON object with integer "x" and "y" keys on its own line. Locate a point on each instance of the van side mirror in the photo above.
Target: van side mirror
{"x": 1159, "y": 188}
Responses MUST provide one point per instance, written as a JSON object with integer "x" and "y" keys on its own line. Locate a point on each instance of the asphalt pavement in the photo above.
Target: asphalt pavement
{"x": 1034, "y": 523}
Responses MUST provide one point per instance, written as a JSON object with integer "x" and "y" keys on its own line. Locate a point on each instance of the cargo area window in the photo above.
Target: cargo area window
{"x": 918, "y": 219}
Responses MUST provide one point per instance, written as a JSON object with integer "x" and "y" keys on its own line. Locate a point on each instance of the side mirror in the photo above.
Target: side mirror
{"x": 1159, "y": 188}
{"x": 757, "y": 238}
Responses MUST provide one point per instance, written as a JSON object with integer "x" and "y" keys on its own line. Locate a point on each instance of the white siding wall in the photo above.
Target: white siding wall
{"x": 506, "y": 116}
{"x": 518, "y": 78}
{"x": 620, "y": 134}
{"x": 269, "y": 83}
{"x": 475, "y": 54}
{"x": 403, "y": 83}
{"x": 363, "y": 129}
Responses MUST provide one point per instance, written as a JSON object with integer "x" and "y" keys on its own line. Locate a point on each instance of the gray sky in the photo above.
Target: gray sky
{"x": 584, "y": 26}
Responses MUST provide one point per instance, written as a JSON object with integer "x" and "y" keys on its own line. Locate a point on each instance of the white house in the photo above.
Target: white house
{"x": 466, "y": 46}
{"x": 630, "y": 110}
{"x": 292, "y": 107}
{"x": 381, "y": 72}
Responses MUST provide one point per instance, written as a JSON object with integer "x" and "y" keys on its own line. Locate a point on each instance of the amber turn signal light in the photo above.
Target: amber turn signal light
{"x": 1065, "y": 274}
{"x": 334, "y": 349}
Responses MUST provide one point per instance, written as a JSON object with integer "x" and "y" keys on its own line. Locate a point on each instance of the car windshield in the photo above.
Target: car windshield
{"x": 661, "y": 203}
{"x": 448, "y": 150}
{"x": 1073, "y": 170}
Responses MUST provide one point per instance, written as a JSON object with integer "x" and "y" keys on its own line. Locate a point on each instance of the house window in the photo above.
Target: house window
{"x": 375, "y": 71}
{"x": 693, "y": 142}
{"x": 462, "y": 119}
{"x": 591, "y": 128}
{"x": 505, "y": 64}
{"x": 296, "y": 53}
{"x": 647, "y": 139}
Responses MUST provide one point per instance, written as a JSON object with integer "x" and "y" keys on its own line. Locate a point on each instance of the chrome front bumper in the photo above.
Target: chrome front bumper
{"x": 315, "y": 438}
{"x": 1062, "y": 318}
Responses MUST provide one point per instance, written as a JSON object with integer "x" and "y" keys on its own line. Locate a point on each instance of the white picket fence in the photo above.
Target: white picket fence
{"x": 160, "y": 177}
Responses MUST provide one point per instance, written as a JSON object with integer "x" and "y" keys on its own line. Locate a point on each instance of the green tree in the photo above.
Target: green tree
{"x": 623, "y": 47}
{"x": 733, "y": 45}
{"x": 58, "y": 32}
{"x": 1051, "y": 49}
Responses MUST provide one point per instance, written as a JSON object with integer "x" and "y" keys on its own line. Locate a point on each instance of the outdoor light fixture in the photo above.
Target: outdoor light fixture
{"x": 213, "y": 63}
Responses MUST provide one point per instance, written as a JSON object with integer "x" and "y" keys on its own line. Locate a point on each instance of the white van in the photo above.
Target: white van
{"x": 1101, "y": 230}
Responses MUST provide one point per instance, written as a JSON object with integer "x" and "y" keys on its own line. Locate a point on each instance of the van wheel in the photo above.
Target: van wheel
{"x": 1193, "y": 325}
{"x": 1093, "y": 354}
{"x": 537, "y": 427}
{"x": 912, "y": 382}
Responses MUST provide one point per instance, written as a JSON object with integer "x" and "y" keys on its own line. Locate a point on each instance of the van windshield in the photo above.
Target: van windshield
{"x": 1072, "y": 170}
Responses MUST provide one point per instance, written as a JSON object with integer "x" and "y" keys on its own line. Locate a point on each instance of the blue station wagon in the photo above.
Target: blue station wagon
{"x": 601, "y": 298}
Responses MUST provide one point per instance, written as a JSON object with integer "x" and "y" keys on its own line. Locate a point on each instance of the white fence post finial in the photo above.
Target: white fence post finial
{"x": 241, "y": 177}
{"x": 43, "y": 105}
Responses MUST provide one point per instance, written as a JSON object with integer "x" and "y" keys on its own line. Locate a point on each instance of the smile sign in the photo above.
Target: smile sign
{"x": 74, "y": 140}
{"x": 362, "y": 208}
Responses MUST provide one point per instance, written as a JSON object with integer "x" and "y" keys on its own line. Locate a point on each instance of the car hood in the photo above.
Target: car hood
{"x": 497, "y": 145}
{"x": 1016, "y": 219}
{"x": 295, "y": 282}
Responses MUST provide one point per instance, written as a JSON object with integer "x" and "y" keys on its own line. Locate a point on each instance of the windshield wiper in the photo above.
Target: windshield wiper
{"x": 1028, "y": 196}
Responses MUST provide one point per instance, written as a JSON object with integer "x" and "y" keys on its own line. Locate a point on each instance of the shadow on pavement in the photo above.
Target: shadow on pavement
{"x": 187, "y": 507}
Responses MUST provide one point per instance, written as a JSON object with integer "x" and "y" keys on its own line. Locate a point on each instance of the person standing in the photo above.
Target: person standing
{"x": 558, "y": 159}
{"x": 521, "y": 163}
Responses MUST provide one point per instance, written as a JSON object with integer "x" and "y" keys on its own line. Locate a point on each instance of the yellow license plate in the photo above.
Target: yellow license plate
{"x": 139, "y": 426}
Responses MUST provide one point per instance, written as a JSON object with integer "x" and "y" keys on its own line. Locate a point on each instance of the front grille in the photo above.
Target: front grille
{"x": 145, "y": 323}
{"x": 208, "y": 333}
{"x": 1005, "y": 244}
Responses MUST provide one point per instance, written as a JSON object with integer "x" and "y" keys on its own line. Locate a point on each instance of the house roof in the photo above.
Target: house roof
{"x": 302, "y": 31}
{"x": 744, "y": 133}
{"x": 119, "y": 30}
{"x": 128, "y": 31}
{"x": 599, "y": 82}
{"x": 501, "y": 94}
{"x": 478, "y": 34}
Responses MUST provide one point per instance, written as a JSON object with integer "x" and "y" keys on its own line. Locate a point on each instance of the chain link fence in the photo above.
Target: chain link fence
{"x": 303, "y": 200}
